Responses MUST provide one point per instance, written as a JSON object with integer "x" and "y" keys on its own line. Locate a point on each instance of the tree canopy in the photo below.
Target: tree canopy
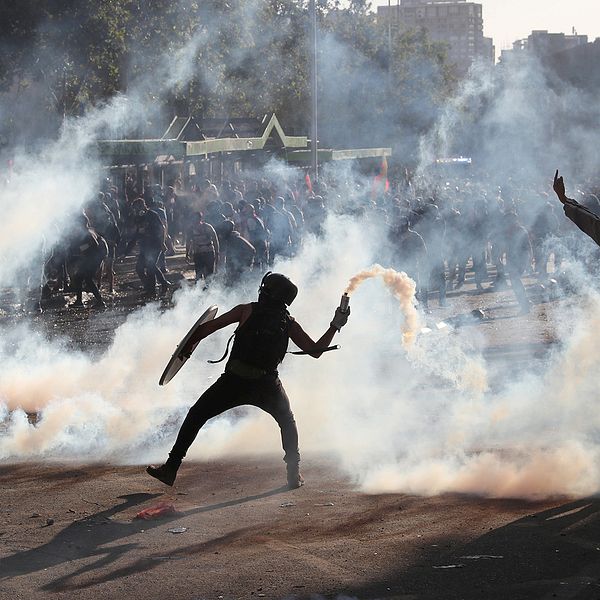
{"x": 212, "y": 58}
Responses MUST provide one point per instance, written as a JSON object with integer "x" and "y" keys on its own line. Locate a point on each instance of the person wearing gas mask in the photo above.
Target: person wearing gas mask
{"x": 149, "y": 234}
{"x": 251, "y": 378}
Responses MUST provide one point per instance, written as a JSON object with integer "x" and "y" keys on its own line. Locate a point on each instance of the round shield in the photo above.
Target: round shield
{"x": 178, "y": 360}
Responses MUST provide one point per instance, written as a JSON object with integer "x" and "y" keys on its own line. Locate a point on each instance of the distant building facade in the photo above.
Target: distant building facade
{"x": 579, "y": 65}
{"x": 457, "y": 23}
{"x": 543, "y": 44}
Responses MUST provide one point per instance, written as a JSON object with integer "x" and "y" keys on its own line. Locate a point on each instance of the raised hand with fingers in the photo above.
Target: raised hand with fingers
{"x": 559, "y": 187}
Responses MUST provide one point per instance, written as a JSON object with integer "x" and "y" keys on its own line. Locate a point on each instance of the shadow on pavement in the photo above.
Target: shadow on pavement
{"x": 552, "y": 554}
{"x": 86, "y": 537}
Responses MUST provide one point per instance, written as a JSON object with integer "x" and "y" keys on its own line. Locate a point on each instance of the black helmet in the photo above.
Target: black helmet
{"x": 277, "y": 287}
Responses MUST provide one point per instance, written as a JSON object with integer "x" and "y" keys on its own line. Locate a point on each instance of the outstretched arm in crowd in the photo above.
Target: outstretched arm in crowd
{"x": 584, "y": 218}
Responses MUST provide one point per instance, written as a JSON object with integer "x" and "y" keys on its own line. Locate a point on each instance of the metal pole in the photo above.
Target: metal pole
{"x": 389, "y": 17}
{"x": 314, "y": 142}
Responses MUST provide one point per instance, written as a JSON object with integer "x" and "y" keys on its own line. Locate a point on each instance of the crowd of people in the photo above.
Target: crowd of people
{"x": 434, "y": 232}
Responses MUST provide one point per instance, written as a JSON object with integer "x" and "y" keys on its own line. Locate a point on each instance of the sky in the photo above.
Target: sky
{"x": 509, "y": 20}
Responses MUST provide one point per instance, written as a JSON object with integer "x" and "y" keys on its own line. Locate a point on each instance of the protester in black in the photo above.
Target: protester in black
{"x": 251, "y": 376}
{"x": 584, "y": 218}
{"x": 150, "y": 235}
{"x": 87, "y": 251}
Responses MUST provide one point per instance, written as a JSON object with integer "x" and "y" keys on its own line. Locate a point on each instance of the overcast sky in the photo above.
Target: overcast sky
{"x": 510, "y": 20}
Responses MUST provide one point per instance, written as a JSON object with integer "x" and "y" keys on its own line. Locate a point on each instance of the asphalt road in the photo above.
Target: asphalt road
{"x": 70, "y": 530}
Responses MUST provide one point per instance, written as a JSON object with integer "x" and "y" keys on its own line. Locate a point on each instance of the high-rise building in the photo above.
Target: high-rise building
{"x": 543, "y": 44}
{"x": 457, "y": 23}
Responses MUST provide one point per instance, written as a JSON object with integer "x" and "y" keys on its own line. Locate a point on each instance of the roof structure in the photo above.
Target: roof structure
{"x": 187, "y": 137}
{"x": 328, "y": 155}
{"x": 183, "y": 128}
{"x": 256, "y": 140}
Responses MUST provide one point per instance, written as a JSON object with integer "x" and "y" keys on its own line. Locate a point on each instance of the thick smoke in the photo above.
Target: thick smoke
{"x": 403, "y": 288}
{"x": 416, "y": 417}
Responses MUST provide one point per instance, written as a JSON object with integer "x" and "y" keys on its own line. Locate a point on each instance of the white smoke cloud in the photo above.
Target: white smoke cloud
{"x": 422, "y": 419}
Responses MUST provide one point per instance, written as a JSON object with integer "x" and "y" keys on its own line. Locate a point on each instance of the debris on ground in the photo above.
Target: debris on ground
{"x": 178, "y": 530}
{"x": 156, "y": 512}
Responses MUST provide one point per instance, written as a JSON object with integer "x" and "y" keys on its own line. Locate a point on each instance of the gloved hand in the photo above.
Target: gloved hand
{"x": 340, "y": 318}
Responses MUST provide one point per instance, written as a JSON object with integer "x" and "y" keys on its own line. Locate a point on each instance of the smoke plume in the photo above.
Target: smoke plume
{"x": 422, "y": 413}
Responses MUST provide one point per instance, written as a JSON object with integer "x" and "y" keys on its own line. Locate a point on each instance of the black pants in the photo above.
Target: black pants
{"x": 85, "y": 271}
{"x": 204, "y": 263}
{"x": 147, "y": 268}
{"x": 230, "y": 391}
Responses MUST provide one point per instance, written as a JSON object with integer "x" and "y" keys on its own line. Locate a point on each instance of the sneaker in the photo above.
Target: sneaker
{"x": 295, "y": 480}
{"x": 165, "y": 473}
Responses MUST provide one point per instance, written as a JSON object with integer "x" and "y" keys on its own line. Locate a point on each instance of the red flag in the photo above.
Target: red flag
{"x": 382, "y": 176}
{"x": 308, "y": 183}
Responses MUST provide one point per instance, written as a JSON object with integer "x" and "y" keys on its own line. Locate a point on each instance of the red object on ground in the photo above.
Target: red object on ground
{"x": 155, "y": 512}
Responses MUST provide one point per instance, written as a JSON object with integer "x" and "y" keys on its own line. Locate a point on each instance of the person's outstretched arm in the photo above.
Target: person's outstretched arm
{"x": 584, "y": 218}
{"x": 307, "y": 344}
{"x": 238, "y": 314}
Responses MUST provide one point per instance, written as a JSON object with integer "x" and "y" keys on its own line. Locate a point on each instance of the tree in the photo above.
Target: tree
{"x": 214, "y": 58}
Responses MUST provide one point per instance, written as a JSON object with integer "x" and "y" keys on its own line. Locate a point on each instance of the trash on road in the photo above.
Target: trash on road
{"x": 178, "y": 530}
{"x": 155, "y": 512}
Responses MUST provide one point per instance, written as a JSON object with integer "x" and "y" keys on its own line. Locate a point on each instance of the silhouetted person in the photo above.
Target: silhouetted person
{"x": 87, "y": 250}
{"x": 251, "y": 378}
{"x": 583, "y": 217}
{"x": 518, "y": 257}
{"x": 203, "y": 247}
{"x": 149, "y": 234}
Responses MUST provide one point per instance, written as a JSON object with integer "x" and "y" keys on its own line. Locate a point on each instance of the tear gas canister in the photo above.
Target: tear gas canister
{"x": 344, "y": 302}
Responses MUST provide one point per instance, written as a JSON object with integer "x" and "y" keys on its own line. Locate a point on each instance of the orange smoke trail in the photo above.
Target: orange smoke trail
{"x": 403, "y": 288}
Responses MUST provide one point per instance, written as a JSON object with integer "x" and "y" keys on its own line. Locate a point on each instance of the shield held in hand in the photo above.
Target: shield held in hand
{"x": 178, "y": 360}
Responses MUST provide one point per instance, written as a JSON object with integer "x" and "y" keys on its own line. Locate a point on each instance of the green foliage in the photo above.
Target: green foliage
{"x": 249, "y": 58}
